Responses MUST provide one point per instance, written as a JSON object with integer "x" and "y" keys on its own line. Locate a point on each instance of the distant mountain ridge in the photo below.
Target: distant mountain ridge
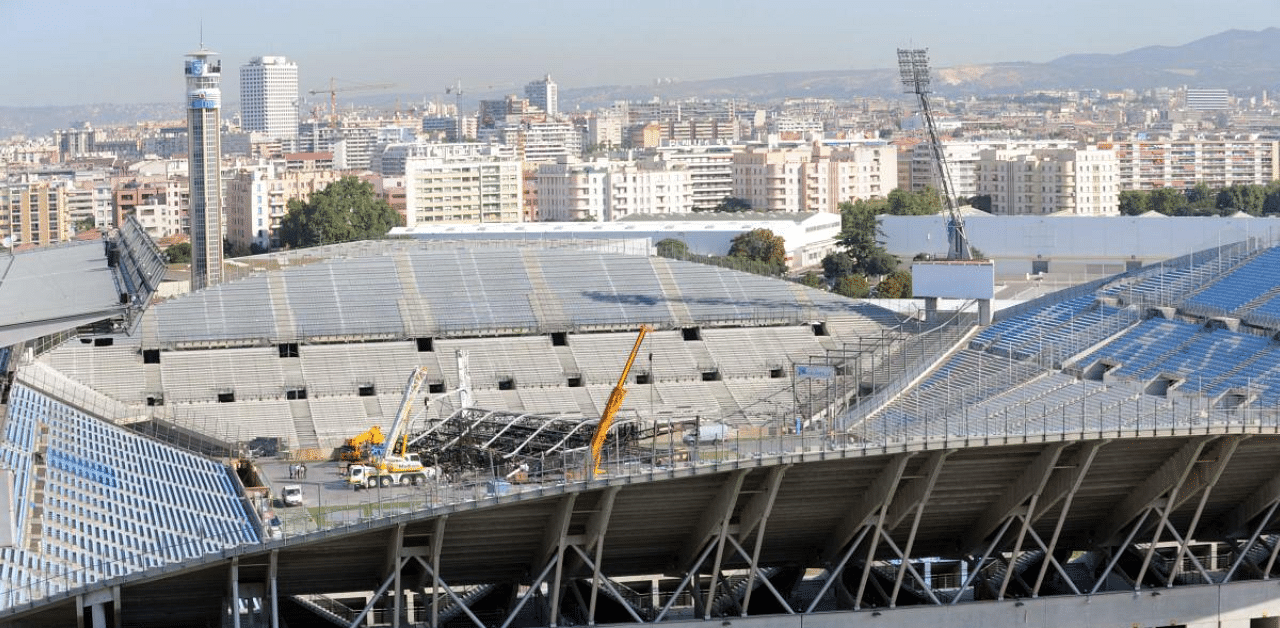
{"x": 1233, "y": 59}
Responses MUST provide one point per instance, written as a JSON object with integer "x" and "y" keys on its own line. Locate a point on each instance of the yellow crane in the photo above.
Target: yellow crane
{"x": 611, "y": 407}
{"x": 333, "y": 94}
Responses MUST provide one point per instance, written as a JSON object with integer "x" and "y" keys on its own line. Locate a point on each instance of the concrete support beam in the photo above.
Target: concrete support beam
{"x": 717, "y": 514}
{"x": 866, "y": 505}
{"x": 1028, "y": 485}
{"x": 916, "y": 493}
{"x": 1171, "y": 474}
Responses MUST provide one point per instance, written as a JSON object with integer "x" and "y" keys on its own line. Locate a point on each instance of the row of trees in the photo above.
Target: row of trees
{"x": 862, "y": 258}
{"x": 1201, "y": 200}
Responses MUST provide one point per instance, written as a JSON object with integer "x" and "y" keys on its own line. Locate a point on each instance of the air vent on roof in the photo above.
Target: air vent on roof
{"x": 150, "y": 356}
{"x": 366, "y": 390}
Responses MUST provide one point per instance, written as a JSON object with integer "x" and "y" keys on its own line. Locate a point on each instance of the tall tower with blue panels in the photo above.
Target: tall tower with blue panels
{"x": 204, "y": 159}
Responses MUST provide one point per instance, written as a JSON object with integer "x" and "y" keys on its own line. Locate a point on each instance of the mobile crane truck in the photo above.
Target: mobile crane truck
{"x": 388, "y": 463}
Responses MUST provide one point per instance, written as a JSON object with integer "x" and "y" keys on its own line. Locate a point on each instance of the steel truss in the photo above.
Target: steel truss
{"x": 1153, "y": 538}
{"x": 474, "y": 438}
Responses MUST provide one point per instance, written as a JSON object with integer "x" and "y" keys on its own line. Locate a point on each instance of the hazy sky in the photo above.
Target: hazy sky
{"x": 125, "y": 51}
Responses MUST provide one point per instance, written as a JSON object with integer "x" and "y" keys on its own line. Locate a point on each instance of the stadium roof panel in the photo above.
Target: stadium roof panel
{"x": 55, "y": 288}
{"x": 434, "y": 291}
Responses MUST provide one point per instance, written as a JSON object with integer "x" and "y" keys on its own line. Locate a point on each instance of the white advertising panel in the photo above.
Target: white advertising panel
{"x": 954, "y": 280}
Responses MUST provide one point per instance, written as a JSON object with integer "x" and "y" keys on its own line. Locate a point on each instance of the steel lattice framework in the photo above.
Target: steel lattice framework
{"x": 928, "y": 525}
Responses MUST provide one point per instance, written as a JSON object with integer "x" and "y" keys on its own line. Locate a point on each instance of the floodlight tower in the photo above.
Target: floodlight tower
{"x": 914, "y": 67}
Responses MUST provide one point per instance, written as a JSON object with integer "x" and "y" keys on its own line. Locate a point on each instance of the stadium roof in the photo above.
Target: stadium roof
{"x": 50, "y": 289}
{"x": 56, "y": 288}
{"x": 432, "y": 291}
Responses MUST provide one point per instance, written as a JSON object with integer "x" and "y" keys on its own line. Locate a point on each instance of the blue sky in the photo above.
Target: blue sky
{"x": 78, "y": 51}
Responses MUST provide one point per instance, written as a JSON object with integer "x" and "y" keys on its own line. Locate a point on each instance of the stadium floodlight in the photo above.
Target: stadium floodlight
{"x": 913, "y": 65}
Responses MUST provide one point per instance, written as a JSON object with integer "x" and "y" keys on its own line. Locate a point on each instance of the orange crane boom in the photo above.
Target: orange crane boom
{"x": 611, "y": 407}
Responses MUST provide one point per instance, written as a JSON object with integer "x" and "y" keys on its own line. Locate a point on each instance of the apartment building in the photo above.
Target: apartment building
{"x": 605, "y": 190}
{"x": 467, "y": 187}
{"x": 1082, "y": 182}
{"x": 710, "y": 168}
{"x": 34, "y": 213}
{"x": 1182, "y": 164}
{"x": 160, "y": 204}
{"x": 545, "y": 95}
{"x": 916, "y": 170}
{"x": 813, "y": 177}
{"x": 257, "y": 198}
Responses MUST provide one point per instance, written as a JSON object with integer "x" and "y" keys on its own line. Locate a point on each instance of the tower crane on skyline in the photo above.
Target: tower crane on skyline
{"x": 913, "y": 64}
{"x": 334, "y": 88}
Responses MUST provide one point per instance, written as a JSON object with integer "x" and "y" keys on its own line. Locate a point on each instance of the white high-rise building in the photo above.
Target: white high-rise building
{"x": 269, "y": 97}
{"x": 204, "y": 165}
{"x": 544, "y": 94}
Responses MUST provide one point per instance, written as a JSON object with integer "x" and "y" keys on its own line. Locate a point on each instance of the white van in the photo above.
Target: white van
{"x": 291, "y": 495}
{"x": 714, "y": 433}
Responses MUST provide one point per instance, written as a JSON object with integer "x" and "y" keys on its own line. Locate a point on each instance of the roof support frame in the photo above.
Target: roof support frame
{"x": 1066, "y": 491}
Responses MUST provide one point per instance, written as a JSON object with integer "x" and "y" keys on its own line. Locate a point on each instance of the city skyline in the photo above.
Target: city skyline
{"x": 424, "y": 47}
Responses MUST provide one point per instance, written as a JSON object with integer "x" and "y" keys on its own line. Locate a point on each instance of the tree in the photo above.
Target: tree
{"x": 852, "y": 286}
{"x": 179, "y": 253}
{"x": 896, "y": 286}
{"x": 346, "y": 210}
{"x": 760, "y": 245}
{"x": 1201, "y": 197}
{"x": 838, "y": 264}
{"x": 672, "y": 248}
{"x": 922, "y": 203}
{"x": 1271, "y": 204}
{"x": 859, "y": 239}
{"x": 732, "y": 204}
{"x": 230, "y": 250}
{"x": 1133, "y": 203}
{"x": 1244, "y": 198}
{"x": 811, "y": 279}
{"x": 981, "y": 202}
{"x": 1168, "y": 201}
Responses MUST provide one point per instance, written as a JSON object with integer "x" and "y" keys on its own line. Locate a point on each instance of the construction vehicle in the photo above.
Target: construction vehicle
{"x": 388, "y": 463}
{"x": 611, "y": 407}
{"x": 358, "y": 448}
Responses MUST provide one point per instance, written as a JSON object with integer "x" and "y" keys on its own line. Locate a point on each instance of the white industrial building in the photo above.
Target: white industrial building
{"x": 808, "y": 237}
{"x": 1077, "y": 245}
{"x": 269, "y": 96}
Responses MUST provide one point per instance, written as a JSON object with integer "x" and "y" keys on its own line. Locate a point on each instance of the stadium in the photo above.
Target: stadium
{"x": 1105, "y": 455}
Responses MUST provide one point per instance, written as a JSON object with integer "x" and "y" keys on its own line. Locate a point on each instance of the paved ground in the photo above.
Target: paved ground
{"x": 329, "y": 501}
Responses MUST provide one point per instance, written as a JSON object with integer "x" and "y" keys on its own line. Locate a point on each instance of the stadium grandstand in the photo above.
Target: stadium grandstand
{"x": 1106, "y": 455}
